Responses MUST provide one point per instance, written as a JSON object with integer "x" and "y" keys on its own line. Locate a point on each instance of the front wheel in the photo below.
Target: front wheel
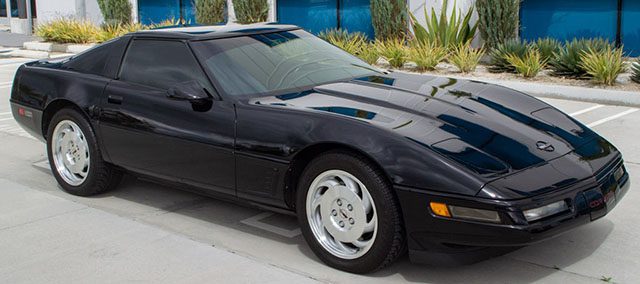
{"x": 349, "y": 215}
{"x": 75, "y": 158}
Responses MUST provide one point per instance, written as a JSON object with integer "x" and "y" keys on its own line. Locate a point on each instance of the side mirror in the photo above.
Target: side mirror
{"x": 190, "y": 91}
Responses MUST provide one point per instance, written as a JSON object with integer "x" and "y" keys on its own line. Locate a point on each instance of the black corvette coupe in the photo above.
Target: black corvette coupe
{"x": 373, "y": 163}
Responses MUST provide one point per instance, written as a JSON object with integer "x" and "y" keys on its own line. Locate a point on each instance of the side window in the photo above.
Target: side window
{"x": 101, "y": 60}
{"x": 161, "y": 64}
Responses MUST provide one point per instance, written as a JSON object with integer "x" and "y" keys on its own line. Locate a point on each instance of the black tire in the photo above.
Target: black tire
{"x": 389, "y": 242}
{"x": 101, "y": 176}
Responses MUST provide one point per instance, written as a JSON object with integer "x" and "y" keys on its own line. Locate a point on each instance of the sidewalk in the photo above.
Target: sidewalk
{"x": 48, "y": 239}
{"x": 8, "y": 39}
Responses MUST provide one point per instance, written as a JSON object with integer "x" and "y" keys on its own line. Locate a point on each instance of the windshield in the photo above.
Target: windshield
{"x": 268, "y": 63}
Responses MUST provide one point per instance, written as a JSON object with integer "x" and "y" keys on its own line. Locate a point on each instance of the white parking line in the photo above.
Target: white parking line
{"x": 255, "y": 222}
{"x": 5, "y": 113}
{"x": 610, "y": 118}
{"x": 7, "y": 118}
{"x": 586, "y": 110}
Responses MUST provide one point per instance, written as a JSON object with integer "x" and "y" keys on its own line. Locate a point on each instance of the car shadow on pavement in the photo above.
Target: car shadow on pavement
{"x": 170, "y": 208}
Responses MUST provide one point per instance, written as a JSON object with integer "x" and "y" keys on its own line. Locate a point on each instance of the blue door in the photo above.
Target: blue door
{"x": 312, "y": 15}
{"x": 568, "y": 19}
{"x": 319, "y": 15}
{"x": 631, "y": 27}
{"x": 156, "y": 11}
{"x": 355, "y": 16}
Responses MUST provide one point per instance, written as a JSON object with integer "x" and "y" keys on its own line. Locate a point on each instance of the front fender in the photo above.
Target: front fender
{"x": 279, "y": 134}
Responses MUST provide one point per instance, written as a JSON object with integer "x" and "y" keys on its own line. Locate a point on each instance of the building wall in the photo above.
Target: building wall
{"x": 417, "y": 8}
{"x": 49, "y": 10}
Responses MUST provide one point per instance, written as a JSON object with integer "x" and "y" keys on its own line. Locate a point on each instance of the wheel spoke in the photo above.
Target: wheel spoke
{"x": 370, "y": 226}
{"x": 361, "y": 244}
{"x": 350, "y": 183}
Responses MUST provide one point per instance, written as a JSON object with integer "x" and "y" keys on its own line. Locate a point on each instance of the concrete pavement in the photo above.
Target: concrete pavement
{"x": 150, "y": 233}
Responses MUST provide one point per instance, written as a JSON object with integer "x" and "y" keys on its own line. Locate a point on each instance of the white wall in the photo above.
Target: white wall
{"x": 48, "y": 10}
{"x": 417, "y": 8}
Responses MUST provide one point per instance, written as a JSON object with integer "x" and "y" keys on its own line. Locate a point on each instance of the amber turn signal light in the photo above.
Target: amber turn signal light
{"x": 440, "y": 209}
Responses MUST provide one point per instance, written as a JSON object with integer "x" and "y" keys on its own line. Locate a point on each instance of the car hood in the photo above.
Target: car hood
{"x": 491, "y": 130}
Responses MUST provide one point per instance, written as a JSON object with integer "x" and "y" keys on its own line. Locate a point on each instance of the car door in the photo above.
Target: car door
{"x": 146, "y": 131}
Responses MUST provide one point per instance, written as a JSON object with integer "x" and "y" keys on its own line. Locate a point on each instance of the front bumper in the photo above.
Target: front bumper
{"x": 432, "y": 237}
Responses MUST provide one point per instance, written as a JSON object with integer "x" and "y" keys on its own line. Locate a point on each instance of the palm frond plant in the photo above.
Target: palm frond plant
{"x": 528, "y": 65}
{"x": 498, "y": 57}
{"x": 635, "y": 71}
{"x": 497, "y": 20}
{"x": 251, "y": 11}
{"x": 547, "y": 47}
{"x": 210, "y": 12}
{"x": 427, "y": 55}
{"x": 603, "y": 66}
{"x": 465, "y": 57}
{"x": 393, "y": 50}
{"x": 450, "y": 32}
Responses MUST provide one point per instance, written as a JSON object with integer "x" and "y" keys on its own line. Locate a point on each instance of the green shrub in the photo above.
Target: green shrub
{"x": 499, "y": 63}
{"x": 65, "y": 30}
{"x": 635, "y": 70}
{"x": 448, "y": 32}
{"x": 108, "y": 32}
{"x": 393, "y": 50}
{"x": 426, "y": 56}
{"x": 604, "y": 65}
{"x": 349, "y": 42}
{"x": 210, "y": 12}
{"x": 567, "y": 61}
{"x": 115, "y": 12}
{"x": 497, "y": 20}
{"x": 389, "y": 19}
{"x": 547, "y": 47}
{"x": 529, "y": 65}
{"x": 465, "y": 57}
{"x": 369, "y": 54}
{"x": 251, "y": 11}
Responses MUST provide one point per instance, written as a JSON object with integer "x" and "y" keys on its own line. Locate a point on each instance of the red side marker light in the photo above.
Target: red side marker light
{"x": 21, "y": 112}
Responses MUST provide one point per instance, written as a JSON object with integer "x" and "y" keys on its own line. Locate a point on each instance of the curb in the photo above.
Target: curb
{"x": 56, "y": 47}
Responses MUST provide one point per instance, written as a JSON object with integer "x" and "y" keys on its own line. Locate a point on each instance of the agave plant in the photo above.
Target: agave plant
{"x": 349, "y": 42}
{"x": 567, "y": 62}
{"x": 547, "y": 47}
{"x": 448, "y": 32}
{"x": 499, "y": 62}
{"x": 635, "y": 70}
{"x": 465, "y": 57}
{"x": 603, "y": 66}
{"x": 528, "y": 65}
{"x": 369, "y": 54}
{"x": 393, "y": 50}
{"x": 427, "y": 55}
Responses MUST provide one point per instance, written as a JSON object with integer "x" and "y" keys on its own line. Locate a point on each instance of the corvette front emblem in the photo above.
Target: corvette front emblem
{"x": 544, "y": 146}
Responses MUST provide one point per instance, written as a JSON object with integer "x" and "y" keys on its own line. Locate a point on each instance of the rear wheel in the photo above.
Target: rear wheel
{"x": 74, "y": 156}
{"x": 349, "y": 215}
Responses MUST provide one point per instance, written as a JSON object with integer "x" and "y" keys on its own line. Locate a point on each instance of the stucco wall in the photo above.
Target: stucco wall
{"x": 48, "y": 10}
{"x": 417, "y": 8}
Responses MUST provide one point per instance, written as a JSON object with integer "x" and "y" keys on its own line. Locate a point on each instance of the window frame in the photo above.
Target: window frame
{"x": 214, "y": 91}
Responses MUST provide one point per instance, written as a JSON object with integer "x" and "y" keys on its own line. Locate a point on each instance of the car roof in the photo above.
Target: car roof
{"x": 211, "y": 32}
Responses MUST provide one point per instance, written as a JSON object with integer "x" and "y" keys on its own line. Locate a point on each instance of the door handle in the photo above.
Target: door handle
{"x": 113, "y": 99}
